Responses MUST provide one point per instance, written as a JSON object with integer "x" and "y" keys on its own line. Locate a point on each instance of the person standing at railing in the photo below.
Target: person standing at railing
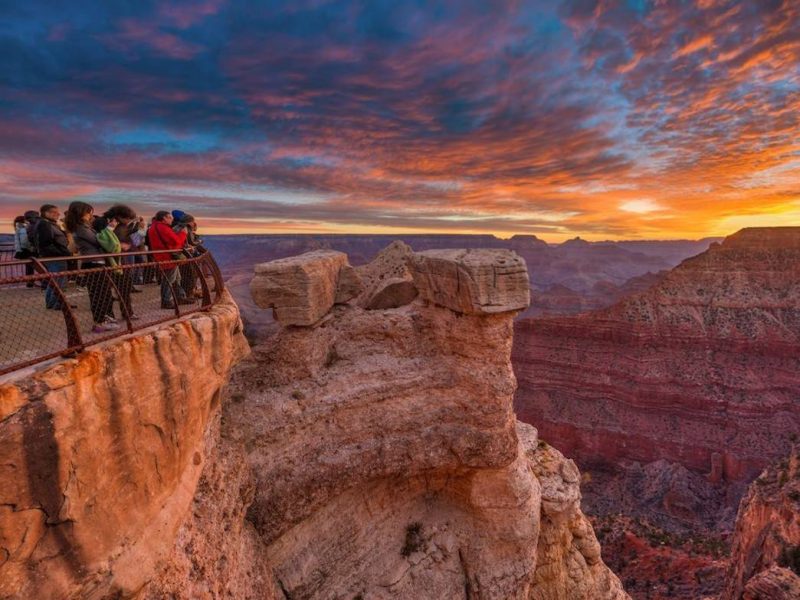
{"x": 78, "y": 221}
{"x": 132, "y": 235}
{"x": 193, "y": 247}
{"x": 162, "y": 237}
{"x": 118, "y": 239}
{"x": 51, "y": 242}
{"x": 22, "y": 246}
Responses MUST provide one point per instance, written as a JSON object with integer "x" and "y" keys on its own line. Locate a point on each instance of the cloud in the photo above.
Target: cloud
{"x": 642, "y": 207}
{"x": 585, "y": 118}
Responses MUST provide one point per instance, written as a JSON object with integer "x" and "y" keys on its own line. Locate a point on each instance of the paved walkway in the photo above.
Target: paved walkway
{"x": 28, "y": 330}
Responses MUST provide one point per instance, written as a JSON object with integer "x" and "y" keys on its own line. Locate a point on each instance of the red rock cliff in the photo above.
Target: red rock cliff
{"x": 765, "y": 556}
{"x": 703, "y": 368}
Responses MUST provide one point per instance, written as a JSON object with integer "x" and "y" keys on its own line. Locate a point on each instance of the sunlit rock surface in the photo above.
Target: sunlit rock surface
{"x": 765, "y": 553}
{"x": 100, "y": 457}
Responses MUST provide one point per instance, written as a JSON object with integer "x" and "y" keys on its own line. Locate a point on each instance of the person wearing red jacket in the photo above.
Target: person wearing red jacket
{"x": 162, "y": 237}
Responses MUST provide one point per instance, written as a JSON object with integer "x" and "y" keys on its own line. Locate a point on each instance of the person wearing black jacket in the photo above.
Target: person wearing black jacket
{"x": 79, "y": 221}
{"x": 51, "y": 241}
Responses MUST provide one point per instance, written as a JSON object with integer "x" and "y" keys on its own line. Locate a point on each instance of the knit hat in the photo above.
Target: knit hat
{"x": 177, "y": 214}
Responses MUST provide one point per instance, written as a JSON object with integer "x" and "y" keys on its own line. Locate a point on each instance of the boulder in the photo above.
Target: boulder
{"x": 776, "y": 583}
{"x": 300, "y": 289}
{"x": 484, "y": 281}
{"x": 387, "y": 280}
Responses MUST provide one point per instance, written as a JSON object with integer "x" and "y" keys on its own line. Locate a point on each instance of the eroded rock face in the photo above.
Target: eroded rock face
{"x": 701, "y": 370}
{"x": 387, "y": 463}
{"x": 568, "y": 565}
{"x": 472, "y": 281}
{"x": 767, "y": 535}
{"x": 300, "y": 289}
{"x": 776, "y": 583}
{"x": 387, "y": 279}
{"x": 100, "y": 459}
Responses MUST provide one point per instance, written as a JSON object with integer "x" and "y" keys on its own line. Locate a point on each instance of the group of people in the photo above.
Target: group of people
{"x": 84, "y": 236}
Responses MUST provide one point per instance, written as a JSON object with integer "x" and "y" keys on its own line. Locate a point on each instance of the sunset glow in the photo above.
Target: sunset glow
{"x": 604, "y": 119}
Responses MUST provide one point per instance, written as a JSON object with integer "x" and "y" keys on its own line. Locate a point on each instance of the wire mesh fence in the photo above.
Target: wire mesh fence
{"x": 18, "y": 268}
{"x": 70, "y": 303}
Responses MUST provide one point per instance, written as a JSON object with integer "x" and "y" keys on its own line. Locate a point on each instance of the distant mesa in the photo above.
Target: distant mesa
{"x": 576, "y": 242}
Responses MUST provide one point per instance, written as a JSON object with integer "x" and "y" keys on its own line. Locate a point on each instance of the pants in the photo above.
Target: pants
{"x": 169, "y": 282}
{"x": 101, "y": 299}
{"x": 51, "y": 299}
{"x": 124, "y": 283}
{"x": 150, "y": 272}
{"x": 188, "y": 279}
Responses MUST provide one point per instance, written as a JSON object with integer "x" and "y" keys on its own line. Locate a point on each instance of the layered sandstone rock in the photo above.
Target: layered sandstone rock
{"x": 568, "y": 562}
{"x": 386, "y": 463}
{"x": 387, "y": 279}
{"x": 472, "y": 281}
{"x": 100, "y": 456}
{"x": 765, "y": 554}
{"x": 370, "y": 454}
{"x": 776, "y": 583}
{"x": 301, "y": 289}
{"x": 702, "y": 370}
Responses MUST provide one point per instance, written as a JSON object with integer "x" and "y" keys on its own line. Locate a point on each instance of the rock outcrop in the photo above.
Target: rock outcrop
{"x": 302, "y": 289}
{"x": 701, "y": 370}
{"x": 472, "y": 281}
{"x": 568, "y": 561}
{"x": 100, "y": 457}
{"x": 386, "y": 462}
{"x": 765, "y": 554}
{"x": 387, "y": 279}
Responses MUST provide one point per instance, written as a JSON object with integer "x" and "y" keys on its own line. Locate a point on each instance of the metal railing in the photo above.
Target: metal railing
{"x": 6, "y": 251}
{"x": 69, "y": 303}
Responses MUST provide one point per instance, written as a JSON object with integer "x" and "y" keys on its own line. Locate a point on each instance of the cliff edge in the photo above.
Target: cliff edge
{"x": 367, "y": 450}
{"x": 100, "y": 456}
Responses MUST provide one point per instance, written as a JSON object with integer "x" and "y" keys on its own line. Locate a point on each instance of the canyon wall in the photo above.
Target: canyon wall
{"x": 765, "y": 555}
{"x": 703, "y": 369}
{"x": 100, "y": 457}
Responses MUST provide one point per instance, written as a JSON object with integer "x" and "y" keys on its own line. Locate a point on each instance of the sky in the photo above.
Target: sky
{"x": 605, "y": 119}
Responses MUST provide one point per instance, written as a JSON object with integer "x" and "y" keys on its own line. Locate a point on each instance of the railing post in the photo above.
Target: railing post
{"x": 219, "y": 286}
{"x": 122, "y": 305}
{"x": 74, "y": 339}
